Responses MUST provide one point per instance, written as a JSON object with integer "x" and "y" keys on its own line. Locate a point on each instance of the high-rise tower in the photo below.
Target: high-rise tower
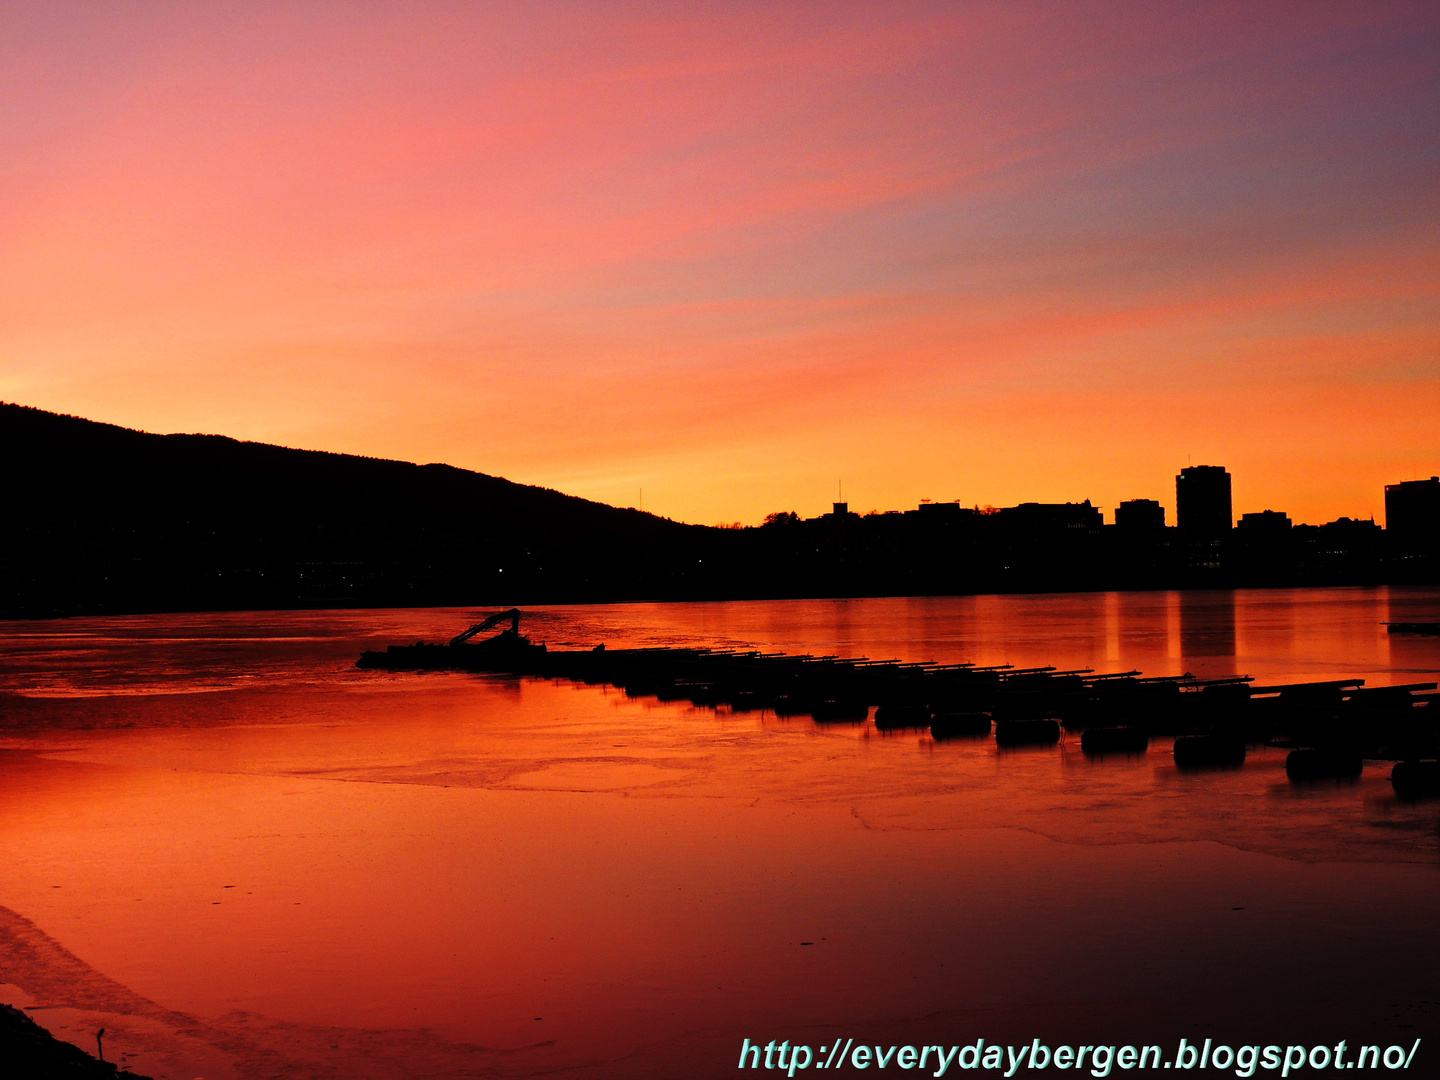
{"x": 1412, "y": 514}
{"x": 1202, "y": 502}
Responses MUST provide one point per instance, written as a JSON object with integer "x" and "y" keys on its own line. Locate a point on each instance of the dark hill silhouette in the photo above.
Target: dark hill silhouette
{"x": 30, "y": 1051}
{"x": 104, "y": 518}
{"x": 100, "y": 518}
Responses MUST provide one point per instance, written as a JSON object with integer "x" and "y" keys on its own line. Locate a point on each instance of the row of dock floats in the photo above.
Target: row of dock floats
{"x": 1330, "y": 728}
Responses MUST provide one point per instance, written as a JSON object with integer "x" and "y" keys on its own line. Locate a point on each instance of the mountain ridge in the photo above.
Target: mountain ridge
{"x": 105, "y": 517}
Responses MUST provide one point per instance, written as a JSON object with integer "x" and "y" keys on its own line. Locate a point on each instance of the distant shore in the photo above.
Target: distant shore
{"x": 108, "y": 521}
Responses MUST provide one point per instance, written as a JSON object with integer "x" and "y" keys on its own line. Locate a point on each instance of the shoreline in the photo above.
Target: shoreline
{"x": 27, "y": 1046}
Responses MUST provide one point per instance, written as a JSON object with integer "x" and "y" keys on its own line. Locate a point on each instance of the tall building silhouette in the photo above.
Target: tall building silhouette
{"x": 1202, "y": 502}
{"x": 1412, "y": 514}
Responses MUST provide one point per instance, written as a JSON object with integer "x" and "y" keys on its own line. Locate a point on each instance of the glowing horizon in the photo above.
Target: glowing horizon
{"x": 733, "y": 254}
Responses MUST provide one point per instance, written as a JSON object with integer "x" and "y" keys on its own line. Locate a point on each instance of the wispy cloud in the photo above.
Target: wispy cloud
{"x": 736, "y": 248}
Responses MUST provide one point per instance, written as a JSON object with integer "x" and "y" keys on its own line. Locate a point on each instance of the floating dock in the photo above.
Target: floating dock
{"x": 1431, "y": 629}
{"x": 1331, "y": 725}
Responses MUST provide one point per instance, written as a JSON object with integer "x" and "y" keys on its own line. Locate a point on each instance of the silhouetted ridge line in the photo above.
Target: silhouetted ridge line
{"x": 107, "y": 518}
{"x": 81, "y": 432}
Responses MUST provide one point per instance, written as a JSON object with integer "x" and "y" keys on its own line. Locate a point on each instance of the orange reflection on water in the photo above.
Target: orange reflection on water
{"x": 376, "y": 854}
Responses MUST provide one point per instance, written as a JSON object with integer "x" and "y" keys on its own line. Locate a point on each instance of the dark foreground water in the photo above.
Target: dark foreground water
{"x": 244, "y": 858}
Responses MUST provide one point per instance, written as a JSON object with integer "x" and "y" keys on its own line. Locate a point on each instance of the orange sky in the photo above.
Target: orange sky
{"x": 731, "y": 253}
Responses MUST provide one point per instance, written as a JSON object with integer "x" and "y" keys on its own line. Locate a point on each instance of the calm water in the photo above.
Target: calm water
{"x": 244, "y": 858}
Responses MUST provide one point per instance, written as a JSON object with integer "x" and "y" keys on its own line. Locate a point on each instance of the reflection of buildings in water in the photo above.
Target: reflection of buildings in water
{"x": 1409, "y": 604}
{"x": 1207, "y": 631}
{"x": 945, "y": 627}
{"x": 1089, "y": 621}
{"x": 841, "y": 624}
{"x": 511, "y": 688}
{"x": 1271, "y": 620}
{"x": 1141, "y": 631}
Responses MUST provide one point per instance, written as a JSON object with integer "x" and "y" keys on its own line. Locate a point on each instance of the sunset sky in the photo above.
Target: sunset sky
{"x": 734, "y": 253}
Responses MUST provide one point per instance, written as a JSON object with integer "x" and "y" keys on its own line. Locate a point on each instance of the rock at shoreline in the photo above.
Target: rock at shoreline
{"x": 27, "y": 1050}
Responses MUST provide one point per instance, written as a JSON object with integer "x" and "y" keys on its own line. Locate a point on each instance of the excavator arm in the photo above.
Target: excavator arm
{"x": 513, "y": 614}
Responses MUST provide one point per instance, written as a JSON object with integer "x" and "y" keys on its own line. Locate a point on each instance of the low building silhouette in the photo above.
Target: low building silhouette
{"x": 942, "y": 511}
{"x": 1049, "y": 516}
{"x": 1262, "y": 549}
{"x": 1140, "y": 515}
{"x": 1140, "y": 550}
{"x": 1264, "y": 523}
{"x": 1346, "y": 549}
